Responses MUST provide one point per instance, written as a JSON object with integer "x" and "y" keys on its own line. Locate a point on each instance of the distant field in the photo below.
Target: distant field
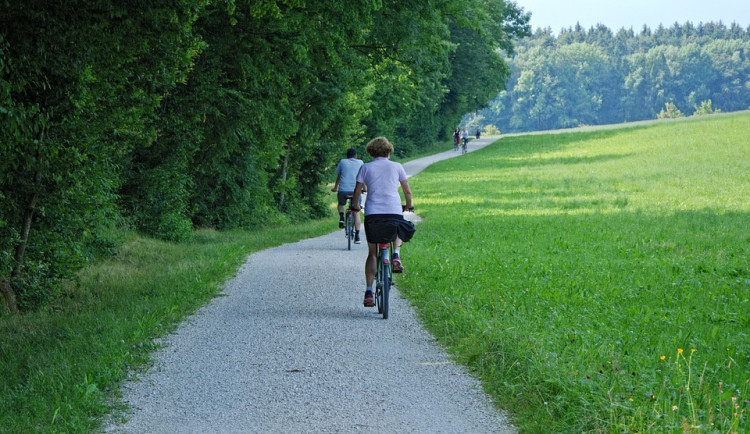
{"x": 596, "y": 281}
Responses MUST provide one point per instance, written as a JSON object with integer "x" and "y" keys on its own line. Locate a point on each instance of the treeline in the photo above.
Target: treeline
{"x": 172, "y": 115}
{"x": 589, "y": 77}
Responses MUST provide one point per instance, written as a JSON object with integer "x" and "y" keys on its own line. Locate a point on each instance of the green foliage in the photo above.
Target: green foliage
{"x": 592, "y": 77}
{"x": 670, "y": 111}
{"x": 491, "y": 130}
{"x": 79, "y": 90}
{"x": 576, "y": 273}
{"x": 706, "y": 108}
{"x": 561, "y": 87}
{"x": 172, "y": 115}
{"x": 478, "y": 70}
{"x": 435, "y": 62}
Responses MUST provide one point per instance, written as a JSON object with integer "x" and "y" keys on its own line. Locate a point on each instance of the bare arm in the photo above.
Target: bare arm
{"x": 407, "y": 194}
{"x": 336, "y": 185}
{"x": 356, "y": 195}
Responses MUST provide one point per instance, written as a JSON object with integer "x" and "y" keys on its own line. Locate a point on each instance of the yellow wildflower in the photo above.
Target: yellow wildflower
{"x": 679, "y": 350}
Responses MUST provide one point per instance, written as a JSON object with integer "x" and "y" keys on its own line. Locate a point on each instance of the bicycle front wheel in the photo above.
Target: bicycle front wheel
{"x": 349, "y": 230}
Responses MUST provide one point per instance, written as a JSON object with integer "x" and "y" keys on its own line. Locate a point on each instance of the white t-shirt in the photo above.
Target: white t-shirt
{"x": 383, "y": 178}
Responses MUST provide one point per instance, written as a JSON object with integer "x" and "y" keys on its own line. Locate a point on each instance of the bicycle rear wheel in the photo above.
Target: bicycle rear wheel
{"x": 383, "y": 279}
{"x": 379, "y": 278}
{"x": 379, "y": 296}
{"x": 349, "y": 229}
{"x": 386, "y": 290}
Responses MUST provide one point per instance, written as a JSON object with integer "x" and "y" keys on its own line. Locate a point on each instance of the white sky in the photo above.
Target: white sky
{"x": 616, "y": 14}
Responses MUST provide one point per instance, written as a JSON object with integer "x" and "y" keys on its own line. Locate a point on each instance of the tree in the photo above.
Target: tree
{"x": 631, "y": 77}
{"x": 478, "y": 72}
{"x": 178, "y": 114}
{"x": 77, "y": 92}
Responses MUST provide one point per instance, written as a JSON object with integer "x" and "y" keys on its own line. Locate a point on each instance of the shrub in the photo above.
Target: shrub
{"x": 706, "y": 108}
{"x": 491, "y": 130}
{"x": 671, "y": 112}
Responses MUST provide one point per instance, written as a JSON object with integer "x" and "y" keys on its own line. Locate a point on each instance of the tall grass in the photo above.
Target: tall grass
{"x": 596, "y": 281}
{"x": 61, "y": 366}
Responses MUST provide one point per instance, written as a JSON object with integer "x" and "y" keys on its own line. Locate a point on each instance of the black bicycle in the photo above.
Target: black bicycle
{"x": 383, "y": 277}
{"x": 349, "y": 223}
{"x": 384, "y": 274}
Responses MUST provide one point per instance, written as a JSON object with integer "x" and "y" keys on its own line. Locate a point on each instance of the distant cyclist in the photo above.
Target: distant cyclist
{"x": 384, "y": 217}
{"x": 346, "y": 180}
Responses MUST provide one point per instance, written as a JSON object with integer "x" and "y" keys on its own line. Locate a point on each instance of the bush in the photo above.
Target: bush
{"x": 671, "y": 112}
{"x": 491, "y": 130}
{"x": 706, "y": 108}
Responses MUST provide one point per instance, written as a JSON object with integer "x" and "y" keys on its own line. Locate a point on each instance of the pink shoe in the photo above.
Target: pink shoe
{"x": 397, "y": 267}
{"x": 369, "y": 300}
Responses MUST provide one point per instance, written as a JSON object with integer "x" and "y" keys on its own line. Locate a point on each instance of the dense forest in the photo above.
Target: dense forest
{"x": 169, "y": 115}
{"x": 594, "y": 76}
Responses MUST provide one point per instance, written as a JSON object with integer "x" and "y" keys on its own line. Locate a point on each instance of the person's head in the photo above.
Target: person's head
{"x": 351, "y": 153}
{"x": 379, "y": 147}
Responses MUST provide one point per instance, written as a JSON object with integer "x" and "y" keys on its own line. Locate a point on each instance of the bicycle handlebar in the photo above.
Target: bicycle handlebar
{"x": 403, "y": 208}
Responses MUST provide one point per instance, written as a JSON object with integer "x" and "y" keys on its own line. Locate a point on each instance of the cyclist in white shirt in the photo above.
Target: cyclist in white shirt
{"x": 384, "y": 218}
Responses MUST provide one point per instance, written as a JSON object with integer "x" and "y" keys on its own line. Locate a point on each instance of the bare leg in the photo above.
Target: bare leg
{"x": 397, "y": 243}
{"x": 371, "y": 265}
{"x": 397, "y": 267}
{"x": 357, "y": 221}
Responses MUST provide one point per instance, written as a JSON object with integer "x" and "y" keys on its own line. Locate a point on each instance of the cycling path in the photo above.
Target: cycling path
{"x": 290, "y": 348}
{"x": 415, "y": 166}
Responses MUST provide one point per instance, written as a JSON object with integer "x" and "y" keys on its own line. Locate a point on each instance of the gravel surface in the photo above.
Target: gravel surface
{"x": 290, "y": 348}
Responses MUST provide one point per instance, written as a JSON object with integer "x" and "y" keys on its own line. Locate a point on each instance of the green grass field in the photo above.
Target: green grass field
{"x": 596, "y": 281}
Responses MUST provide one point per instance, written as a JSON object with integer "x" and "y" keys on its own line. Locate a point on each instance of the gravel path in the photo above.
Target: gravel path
{"x": 290, "y": 348}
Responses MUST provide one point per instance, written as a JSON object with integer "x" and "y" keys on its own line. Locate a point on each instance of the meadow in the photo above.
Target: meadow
{"x": 596, "y": 281}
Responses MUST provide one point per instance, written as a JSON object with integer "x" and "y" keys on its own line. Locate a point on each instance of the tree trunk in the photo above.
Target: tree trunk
{"x": 284, "y": 165}
{"x": 9, "y": 294}
{"x": 6, "y": 285}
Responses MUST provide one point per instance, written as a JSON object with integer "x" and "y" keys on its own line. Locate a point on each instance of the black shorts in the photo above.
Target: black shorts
{"x": 384, "y": 228}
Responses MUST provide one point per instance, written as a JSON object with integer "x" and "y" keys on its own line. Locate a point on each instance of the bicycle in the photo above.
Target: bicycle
{"x": 384, "y": 274}
{"x": 349, "y": 223}
{"x": 463, "y": 147}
